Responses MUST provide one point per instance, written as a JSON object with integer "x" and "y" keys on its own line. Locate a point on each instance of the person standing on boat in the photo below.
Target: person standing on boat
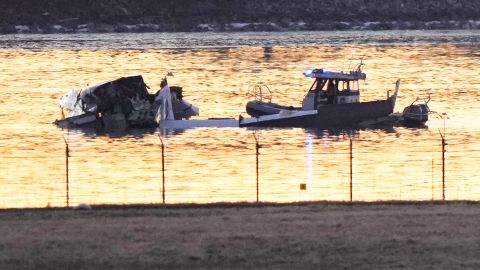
{"x": 331, "y": 90}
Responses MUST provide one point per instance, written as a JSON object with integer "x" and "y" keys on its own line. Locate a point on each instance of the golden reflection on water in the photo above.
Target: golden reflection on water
{"x": 211, "y": 165}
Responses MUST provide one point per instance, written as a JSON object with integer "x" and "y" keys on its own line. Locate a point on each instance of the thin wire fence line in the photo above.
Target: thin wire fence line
{"x": 118, "y": 180}
{"x": 73, "y": 151}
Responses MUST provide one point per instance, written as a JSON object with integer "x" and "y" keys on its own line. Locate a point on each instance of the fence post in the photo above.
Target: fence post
{"x": 443, "y": 166}
{"x": 257, "y": 152}
{"x": 163, "y": 168}
{"x": 433, "y": 182}
{"x": 67, "y": 154}
{"x": 351, "y": 170}
{"x": 444, "y": 117}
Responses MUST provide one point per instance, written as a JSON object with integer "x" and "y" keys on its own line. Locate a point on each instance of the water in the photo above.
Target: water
{"x": 213, "y": 165}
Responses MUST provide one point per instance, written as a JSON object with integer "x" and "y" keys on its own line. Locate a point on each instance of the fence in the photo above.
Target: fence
{"x": 341, "y": 169}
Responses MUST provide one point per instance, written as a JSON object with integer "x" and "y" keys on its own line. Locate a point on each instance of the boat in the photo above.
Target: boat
{"x": 416, "y": 114}
{"x": 262, "y": 103}
{"x": 333, "y": 100}
{"x": 123, "y": 103}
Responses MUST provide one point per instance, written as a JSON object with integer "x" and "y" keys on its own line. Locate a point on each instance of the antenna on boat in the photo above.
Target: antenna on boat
{"x": 352, "y": 58}
{"x": 358, "y": 68}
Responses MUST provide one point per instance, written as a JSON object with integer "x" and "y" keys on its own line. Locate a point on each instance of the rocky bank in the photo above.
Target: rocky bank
{"x": 80, "y": 16}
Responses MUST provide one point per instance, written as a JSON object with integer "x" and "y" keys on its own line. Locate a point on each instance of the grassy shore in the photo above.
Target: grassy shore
{"x": 315, "y": 235}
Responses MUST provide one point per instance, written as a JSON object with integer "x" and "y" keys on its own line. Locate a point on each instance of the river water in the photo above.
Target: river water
{"x": 219, "y": 164}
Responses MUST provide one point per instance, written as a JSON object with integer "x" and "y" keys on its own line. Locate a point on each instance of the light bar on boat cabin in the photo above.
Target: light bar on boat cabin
{"x": 313, "y": 73}
{"x": 308, "y": 73}
{"x": 321, "y": 73}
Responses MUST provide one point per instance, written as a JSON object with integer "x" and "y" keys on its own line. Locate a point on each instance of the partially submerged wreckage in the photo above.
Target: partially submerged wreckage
{"x": 332, "y": 101}
{"x": 123, "y": 102}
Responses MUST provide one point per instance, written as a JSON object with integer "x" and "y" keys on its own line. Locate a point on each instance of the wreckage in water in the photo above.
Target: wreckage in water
{"x": 333, "y": 100}
{"x": 122, "y": 103}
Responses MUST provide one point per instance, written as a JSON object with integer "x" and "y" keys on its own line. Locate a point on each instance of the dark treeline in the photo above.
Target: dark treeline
{"x": 187, "y": 15}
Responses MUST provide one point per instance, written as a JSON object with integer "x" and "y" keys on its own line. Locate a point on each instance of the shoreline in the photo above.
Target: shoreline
{"x": 238, "y": 27}
{"x": 85, "y": 16}
{"x": 228, "y": 205}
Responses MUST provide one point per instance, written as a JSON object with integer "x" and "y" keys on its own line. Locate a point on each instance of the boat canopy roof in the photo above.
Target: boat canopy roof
{"x": 336, "y": 75}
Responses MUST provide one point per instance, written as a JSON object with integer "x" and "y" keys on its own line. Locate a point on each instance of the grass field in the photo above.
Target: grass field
{"x": 317, "y": 235}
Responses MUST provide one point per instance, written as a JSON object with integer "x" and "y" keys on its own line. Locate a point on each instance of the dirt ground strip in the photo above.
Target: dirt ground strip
{"x": 294, "y": 236}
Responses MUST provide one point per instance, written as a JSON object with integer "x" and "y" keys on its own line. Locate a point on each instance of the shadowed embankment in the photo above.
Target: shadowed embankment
{"x": 317, "y": 235}
{"x": 86, "y": 16}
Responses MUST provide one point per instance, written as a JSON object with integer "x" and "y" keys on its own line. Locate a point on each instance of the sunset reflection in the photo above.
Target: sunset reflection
{"x": 213, "y": 165}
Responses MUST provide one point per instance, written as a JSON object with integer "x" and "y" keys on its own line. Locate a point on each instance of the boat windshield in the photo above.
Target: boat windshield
{"x": 335, "y": 85}
{"x": 352, "y": 86}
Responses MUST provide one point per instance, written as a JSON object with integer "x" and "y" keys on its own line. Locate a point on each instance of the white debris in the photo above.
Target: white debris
{"x": 22, "y": 28}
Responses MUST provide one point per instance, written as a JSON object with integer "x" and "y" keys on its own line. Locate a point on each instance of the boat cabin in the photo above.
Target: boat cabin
{"x": 331, "y": 87}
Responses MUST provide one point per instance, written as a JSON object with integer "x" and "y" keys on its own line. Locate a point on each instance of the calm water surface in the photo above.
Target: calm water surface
{"x": 213, "y": 165}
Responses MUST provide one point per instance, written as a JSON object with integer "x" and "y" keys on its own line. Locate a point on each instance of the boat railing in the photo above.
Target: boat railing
{"x": 422, "y": 100}
{"x": 260, "y": 92}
